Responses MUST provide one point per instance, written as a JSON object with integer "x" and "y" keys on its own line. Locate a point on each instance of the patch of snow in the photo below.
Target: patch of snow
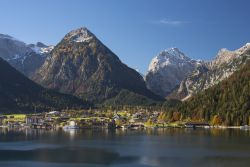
{"x": 16, "y": 56}
{"x": 186, "y": 98}
{"x": 83, "y": 39}
{"x": 80, "y": 35}
{"x": 42, "y": 50}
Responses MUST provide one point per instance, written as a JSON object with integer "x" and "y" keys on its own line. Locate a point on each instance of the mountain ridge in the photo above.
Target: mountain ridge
{"x": 210, "y": 73}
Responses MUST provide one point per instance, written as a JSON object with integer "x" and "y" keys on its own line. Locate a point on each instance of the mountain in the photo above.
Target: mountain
{"x": 208, "y": 74}
{"x": 167, "y": 70}
{"x": 226, "y": 103}
{"x": 25, "y": 58}
{"x": 41, "y": 49}
{"x": 81, "y": 65}
{"x": 19, "y": 94}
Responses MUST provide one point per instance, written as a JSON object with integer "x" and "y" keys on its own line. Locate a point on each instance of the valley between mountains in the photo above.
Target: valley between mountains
{"x": 80, "y": 72}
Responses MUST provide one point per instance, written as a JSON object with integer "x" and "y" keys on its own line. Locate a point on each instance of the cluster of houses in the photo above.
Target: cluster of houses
{"x": 56, "y": 119}
{"x": 2, "y": 118}
{"x": 67, "y": 120}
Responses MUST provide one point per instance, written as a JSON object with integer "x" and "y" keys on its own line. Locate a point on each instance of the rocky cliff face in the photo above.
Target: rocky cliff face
{"x": 206, "y": 75}
{"x": 81, "y": 65}
{"x": 167, "y": 70}
{"x": 25, "y": 58}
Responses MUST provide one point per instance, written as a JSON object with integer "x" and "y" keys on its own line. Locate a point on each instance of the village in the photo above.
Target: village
{"x": 92, "y": 119}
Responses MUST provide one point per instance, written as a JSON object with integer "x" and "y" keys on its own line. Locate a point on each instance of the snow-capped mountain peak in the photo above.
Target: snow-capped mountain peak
{"x": 167, "y": 70}
{"x": 172, "y": 56}
{"x": 174, "y": 52}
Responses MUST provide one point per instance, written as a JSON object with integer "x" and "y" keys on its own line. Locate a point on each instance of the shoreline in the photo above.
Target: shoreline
{"x": 166, "y": 127}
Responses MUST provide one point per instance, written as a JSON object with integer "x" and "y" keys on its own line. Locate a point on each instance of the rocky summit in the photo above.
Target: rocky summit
{"x": 81, "y": 65}
{"x": 167, "y": 70}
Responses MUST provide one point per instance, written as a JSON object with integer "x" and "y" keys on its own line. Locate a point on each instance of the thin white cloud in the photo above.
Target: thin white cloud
{"x": 169, "y": 22}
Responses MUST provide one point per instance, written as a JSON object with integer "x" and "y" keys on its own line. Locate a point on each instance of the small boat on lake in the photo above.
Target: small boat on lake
{"x": 245, "y": 127}
{"x": 72, "y": 125}
{"x": 197, "y": 125}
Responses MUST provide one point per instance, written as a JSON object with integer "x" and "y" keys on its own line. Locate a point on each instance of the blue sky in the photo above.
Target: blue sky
{"x": 136, "y": 30}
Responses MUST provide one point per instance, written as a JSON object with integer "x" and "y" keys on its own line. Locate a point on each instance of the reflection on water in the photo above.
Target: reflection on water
{"x": 161, "y": 147}
{"x": 61, "y": 155}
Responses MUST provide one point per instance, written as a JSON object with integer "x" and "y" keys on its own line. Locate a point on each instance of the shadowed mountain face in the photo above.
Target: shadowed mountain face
{"x": 25, "y": 58}
{"x": 81, "y": 65}
{"x": 19, "y": 94}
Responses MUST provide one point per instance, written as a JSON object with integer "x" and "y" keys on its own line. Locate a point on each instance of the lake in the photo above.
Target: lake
{"x": 118, "y": 148}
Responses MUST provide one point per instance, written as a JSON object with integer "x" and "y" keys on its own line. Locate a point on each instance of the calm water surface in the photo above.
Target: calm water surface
{"x": 146, "y": 148}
